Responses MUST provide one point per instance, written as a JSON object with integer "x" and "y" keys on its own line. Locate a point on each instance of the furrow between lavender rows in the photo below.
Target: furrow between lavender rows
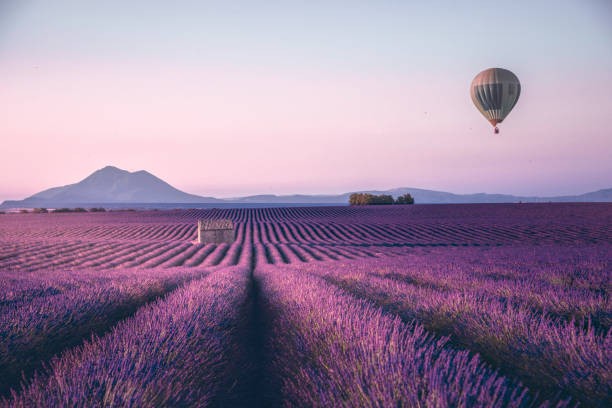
{"x": 44, "y": 325}
{"x": 546, "y": 354}
{"x": 324, "y": 347}
{"x": 183, "y": 350}
{"x": 302, "y": 341}
{"x": 582, "y": 305}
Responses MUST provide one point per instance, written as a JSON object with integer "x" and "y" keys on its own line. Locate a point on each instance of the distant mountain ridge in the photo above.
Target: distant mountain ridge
{"x": 422, "y": 196}
{"x": 111, "y": 185}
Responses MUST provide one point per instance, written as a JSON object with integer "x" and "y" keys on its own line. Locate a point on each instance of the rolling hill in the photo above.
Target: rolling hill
{"x": 111, "y": 185}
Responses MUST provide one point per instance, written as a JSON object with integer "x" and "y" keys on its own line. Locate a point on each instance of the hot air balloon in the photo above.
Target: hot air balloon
{"x": 495, "y": 91}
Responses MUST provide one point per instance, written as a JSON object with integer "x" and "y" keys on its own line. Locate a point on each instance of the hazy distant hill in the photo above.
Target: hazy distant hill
{"x": 112, "y": 185}
{"x": 595, "y": 196}
{"x": 428, "y": 197}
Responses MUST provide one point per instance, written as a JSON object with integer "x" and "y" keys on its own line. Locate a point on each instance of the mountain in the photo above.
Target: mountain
{"x": 604, "y": 195}
{"x": 112, "y": 185}
{"x": 422, "y": 196}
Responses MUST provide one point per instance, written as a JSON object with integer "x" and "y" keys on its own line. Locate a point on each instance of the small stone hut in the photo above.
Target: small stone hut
{"x": 215, "y": 231}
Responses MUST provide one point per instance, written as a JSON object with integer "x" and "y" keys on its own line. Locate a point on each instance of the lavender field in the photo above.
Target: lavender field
{"x": 426, "y": 305}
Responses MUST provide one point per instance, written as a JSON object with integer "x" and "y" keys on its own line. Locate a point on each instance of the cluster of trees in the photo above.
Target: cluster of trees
{"x": 404, "y": 199}
{"x": 61, "y": 210}
{"x": 383, "y": 199}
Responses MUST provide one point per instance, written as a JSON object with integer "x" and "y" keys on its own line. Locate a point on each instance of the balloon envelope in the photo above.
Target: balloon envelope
{"x": 495, "y": 91}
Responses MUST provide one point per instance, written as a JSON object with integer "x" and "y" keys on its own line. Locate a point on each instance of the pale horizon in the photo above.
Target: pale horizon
{"x": 331, "y": 192}
{"x": 322, "y": 98}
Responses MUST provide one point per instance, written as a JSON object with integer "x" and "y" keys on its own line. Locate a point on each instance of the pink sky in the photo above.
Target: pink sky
{"x": 225, "y": 128}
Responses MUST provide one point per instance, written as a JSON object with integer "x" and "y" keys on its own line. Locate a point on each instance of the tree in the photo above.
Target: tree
{"x": 369, "y": 199}
{"x": 404, "y": 199}
{"x": 382, "y": 199}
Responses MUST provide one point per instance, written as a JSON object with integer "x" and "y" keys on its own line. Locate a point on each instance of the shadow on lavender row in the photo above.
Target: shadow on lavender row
{"x": 38, "y": 352}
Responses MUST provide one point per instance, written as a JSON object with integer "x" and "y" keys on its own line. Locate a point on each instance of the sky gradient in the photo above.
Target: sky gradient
{"x": 225, "y": 99}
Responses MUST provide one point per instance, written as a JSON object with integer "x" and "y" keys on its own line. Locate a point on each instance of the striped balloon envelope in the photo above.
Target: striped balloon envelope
{"x": 495, "y": 91}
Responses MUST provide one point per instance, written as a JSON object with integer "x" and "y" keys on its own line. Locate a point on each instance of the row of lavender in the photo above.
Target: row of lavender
{"x": 360, "y": 232}
{"x": 290, "y": 337}
{"x": 506, "y": 214}
{"x": 182, "y": 350}
{"x": 104, "y": 255}
{"x": 339, "y": 225}
{"x": 325, "y": 348}
{"x": 33, "y": 255}
{"x": 315, "y": 345}
{"x": 539, "y": 315}
{"x": 133, "y": 239}
{"x": 44, "y": 313}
